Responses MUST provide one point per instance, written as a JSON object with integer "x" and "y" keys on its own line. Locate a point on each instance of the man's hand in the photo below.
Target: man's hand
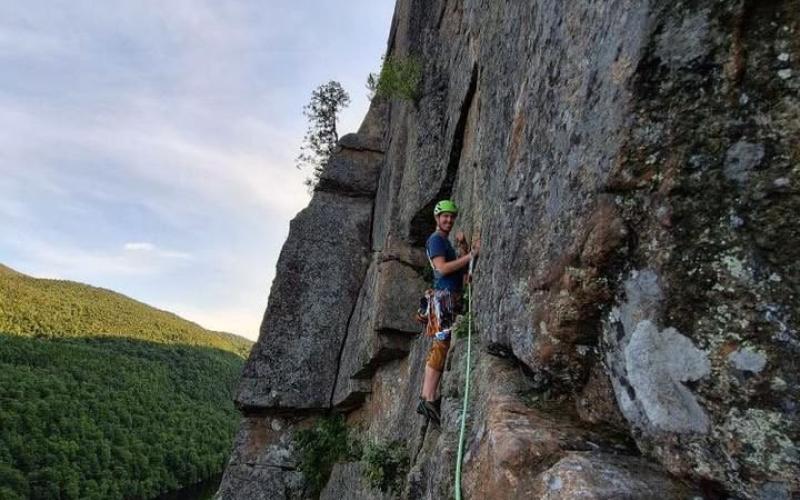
{"x": 461, "y": 243}
{"x": 476, "y": 247}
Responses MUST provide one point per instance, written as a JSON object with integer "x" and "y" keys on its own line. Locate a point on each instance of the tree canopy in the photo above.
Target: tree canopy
{"x": 321, "y": 137}
{"x": 103, "y": 397}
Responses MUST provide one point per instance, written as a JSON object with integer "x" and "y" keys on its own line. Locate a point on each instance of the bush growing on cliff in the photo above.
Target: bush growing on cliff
{"x": 322, "y": 446}
{"x": 460, "y": 329}
{"x": 462, "y": 323}
{"x": 385, "y": 466}
{"x": 399, "y": 78}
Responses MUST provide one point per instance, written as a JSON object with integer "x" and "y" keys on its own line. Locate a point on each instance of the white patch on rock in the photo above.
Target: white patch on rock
{"x": 785, "y": 74}
{"x": 748, "y": 360}
{"x": 777, "y": 384}
{"x": 741, "y": 159}
{"x": 783, "y": 57}
{"x": 736, "y": 267}
{"x": 644, "y": 297}
{"x": 775, "y": 490}
{"x": 657, "y": 362}
{"x": 680, "y": 44}
{"x": 643, "y": 300}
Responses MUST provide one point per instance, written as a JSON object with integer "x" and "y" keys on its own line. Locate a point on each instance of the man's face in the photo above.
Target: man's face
{"x": 445, "y": 221}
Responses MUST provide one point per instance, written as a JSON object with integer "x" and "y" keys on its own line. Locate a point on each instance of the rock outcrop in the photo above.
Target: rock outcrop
{"x": 633, "y": 171}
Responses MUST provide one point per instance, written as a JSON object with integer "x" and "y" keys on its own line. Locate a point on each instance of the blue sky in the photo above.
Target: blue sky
{"x": 148, "y": 146}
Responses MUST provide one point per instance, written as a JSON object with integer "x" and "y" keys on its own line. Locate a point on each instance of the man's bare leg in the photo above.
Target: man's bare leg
{"x": 430, "y": 383}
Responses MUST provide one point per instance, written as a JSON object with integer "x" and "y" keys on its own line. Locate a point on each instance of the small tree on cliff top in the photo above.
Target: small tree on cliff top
{"x": 321, "y": 137}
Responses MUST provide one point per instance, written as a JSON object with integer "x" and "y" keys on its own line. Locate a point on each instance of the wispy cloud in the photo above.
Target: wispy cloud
{"x": 139, "y": 246}
{"x": 45, "y": 259}
{"x": 152, "y": 148}
{"x": 149, "y": 248}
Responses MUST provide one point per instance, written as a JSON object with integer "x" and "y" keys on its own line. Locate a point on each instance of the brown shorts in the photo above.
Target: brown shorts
{"x": 437, "y": 354}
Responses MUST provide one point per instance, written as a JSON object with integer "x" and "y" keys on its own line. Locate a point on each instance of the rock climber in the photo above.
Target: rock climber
{"x": 444, "y": 300}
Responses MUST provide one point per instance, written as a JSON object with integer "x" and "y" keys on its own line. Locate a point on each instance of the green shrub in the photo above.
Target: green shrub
{"x": 321, "y": 447}
{"x": 462, "y": 323}
{"x": 399, "y": 78}
{"x": 460, "y": 329}
{"x": 385, "y": 466}
{"x": 427, "y": 274}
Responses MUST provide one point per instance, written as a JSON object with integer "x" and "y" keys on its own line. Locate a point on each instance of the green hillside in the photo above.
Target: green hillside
{"x": 57, "y": 308}
{"x": 105, "y": 397}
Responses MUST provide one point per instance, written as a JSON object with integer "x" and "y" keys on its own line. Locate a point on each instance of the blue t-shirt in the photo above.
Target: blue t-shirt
{"x": 439, "y": 246}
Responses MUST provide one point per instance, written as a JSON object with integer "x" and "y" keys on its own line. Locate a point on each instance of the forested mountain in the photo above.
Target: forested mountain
{"x": 104, "y": 397}
{"x": 58, "y": 308}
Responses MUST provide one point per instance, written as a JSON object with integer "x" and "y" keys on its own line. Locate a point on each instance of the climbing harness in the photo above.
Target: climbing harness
{"x": 460, "y": 454}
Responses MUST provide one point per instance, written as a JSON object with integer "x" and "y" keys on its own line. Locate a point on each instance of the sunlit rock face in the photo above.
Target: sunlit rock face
{"x": 632, "y": 169}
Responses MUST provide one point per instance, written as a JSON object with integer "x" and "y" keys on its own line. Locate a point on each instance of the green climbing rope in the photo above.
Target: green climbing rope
{"x": 460, "y": 455}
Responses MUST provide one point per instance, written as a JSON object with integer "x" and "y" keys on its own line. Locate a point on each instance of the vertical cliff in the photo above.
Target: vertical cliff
{"x": 632, "y": 169}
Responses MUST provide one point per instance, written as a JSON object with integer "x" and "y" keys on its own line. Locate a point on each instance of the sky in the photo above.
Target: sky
{"x": 148, "y": 146}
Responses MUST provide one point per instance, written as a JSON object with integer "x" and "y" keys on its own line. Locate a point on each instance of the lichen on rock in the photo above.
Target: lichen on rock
{"x": 758, "y": 439}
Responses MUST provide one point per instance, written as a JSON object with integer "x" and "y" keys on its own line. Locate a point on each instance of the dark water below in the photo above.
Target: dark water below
{"x": 204, "y": 490}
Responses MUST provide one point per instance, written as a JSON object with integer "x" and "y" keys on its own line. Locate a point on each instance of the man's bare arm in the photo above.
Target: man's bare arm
{"x": 444, "y": 267}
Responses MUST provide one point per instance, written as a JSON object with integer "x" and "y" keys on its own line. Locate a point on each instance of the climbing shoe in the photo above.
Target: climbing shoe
{"x": 430, "y": 410}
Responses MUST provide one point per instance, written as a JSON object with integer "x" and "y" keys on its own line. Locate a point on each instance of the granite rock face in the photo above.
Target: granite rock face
{"x": 632, "y": 169}
{"x": 347, "y": 482}
{"x": 379, "y": 330}
{"x": 595, "y": 476}
{"x": 263, "y": 464}
{"x": 294, "y": 364}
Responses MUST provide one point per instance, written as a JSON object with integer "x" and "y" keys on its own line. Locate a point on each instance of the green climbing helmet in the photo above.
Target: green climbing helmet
{"x": 445, "y": 206}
